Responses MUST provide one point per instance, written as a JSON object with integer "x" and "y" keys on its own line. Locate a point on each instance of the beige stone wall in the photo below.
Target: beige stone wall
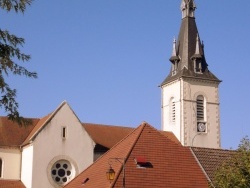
{"x": 185, "y": 92}
{"x": 11, "y": 163}
{"x": 50, "y": 146}
{"x": 191, "y": 89}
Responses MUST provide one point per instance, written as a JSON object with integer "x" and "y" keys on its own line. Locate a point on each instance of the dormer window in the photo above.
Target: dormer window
{"x": 141, "y": 162}
{"x": 174, "y": 68}
{"x": 197, "y": 66}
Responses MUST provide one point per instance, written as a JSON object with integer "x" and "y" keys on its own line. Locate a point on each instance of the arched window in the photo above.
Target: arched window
{"x": 172, "y": 110}
{"x": 200, "y": 108}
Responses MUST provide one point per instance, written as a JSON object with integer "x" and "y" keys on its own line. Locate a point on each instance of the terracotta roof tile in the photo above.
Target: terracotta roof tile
{"x": 211, "y": 159}
{"x": 13, "y": 135}
{"x": 172, "y": 165}
{"x": 109, "y": 135}
{"x": 171, "y": 136}
{"x": 36, "y": 128}
{"x": 106, "y": 135}
{"x": 11, "y": 184}
{"x": 42, "y": 122}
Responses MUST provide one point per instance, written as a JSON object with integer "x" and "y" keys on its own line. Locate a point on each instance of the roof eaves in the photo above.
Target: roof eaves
{"x": 33, "y": 136}
{"x": 203, "y": 170}
{"x": 141, "y": 127}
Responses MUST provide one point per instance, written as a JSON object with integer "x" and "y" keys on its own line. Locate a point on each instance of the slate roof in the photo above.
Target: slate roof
{"x": 186, "y": 49}
{"x": 172, "y": 165}
{"x": 211, "y": 159}
{"x": 11, "y": 184}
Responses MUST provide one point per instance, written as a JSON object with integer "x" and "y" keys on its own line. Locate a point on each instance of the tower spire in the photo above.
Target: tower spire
{"x": 188, "y": 8}
{"x": 190, "y": 102}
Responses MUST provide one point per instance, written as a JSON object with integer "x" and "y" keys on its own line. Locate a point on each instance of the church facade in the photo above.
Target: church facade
{"x": 58, "y": 147}
{"x": 48, "y": 153}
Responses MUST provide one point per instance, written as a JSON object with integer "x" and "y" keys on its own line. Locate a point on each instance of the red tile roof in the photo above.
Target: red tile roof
{"x": 106, "y": 135}
{"x": 172, "y": 165}
{"x": 109, "y": 135}
{"x": 11, "y": 134}
{"x": 11, "y": 184}
{"x": 40, "y": 124}
{"x": 211, "y": 159}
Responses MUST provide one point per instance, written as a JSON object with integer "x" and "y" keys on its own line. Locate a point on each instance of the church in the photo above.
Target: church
{"x": 58, "y": 150}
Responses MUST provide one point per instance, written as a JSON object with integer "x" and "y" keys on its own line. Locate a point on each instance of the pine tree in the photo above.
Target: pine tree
{"x": 10, "y": 56}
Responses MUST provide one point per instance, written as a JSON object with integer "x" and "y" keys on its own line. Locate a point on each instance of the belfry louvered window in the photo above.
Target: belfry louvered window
{"x": 172, "y": 110}
{"x": 200, "y": 108}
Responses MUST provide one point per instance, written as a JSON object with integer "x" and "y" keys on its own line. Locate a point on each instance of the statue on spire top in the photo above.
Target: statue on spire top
{"x": 188, "y": 7}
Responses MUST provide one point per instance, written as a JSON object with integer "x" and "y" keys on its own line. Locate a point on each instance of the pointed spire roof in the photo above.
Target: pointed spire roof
{"x": 174, "y": 56}
{"x": 188, "y": 46}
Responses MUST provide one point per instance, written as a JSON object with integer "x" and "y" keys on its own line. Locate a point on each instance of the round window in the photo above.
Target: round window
{"x": 61, "y": 171}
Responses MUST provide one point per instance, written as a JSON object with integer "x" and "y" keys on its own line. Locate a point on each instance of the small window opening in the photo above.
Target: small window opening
{"x": 174, "y": 68}
{"x": 85, "y": 181}
{"x": 142, "y": 163}
{"x": 1, "y": 165}
{"x": 64, "y": 132}
{"x": 198, "y": 67}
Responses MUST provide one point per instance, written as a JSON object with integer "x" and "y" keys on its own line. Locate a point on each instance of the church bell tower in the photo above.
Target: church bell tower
{"x": 190, "y": 96}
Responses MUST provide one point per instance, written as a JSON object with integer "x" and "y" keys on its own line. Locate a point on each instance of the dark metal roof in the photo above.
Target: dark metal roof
{"x": 186, "y": 49}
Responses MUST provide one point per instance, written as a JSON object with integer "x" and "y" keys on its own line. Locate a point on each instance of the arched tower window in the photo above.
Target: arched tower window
{"x": 200, "y": 108}
{"x": 172, "y": 110}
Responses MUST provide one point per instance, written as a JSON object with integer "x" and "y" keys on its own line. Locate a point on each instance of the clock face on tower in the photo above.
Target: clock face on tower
{"x": 201, "y": 127}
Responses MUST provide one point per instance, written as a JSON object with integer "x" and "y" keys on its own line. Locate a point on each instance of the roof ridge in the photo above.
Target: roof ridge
{"x": 112, "y": 152}
{"x": 47, "y": 119}
{"x": 209, "y": 149}
{"x": 140, "y": 128}
{"x": 107, "y": 125}
{"x": 198, "y": 162}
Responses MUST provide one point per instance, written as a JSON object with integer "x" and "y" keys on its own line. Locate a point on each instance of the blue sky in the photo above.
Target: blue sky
{"x": 107, "y": 58}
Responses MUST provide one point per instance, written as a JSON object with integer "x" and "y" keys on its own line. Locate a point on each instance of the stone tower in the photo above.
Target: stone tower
{"x": 190, "y": 96}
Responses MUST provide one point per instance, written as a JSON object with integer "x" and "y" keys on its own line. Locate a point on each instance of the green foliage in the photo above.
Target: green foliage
{"x": 9, "y": 53}
{"x": 235, "y": 172}
{"x": 16, "y": 5}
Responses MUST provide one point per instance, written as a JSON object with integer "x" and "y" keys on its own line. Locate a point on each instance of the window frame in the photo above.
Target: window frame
{"x": 200, "y": 108}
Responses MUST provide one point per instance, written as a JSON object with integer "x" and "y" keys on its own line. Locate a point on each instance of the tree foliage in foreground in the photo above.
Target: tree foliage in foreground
{"x": 10, "y": 56}
{"x": 235, "y": 172}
